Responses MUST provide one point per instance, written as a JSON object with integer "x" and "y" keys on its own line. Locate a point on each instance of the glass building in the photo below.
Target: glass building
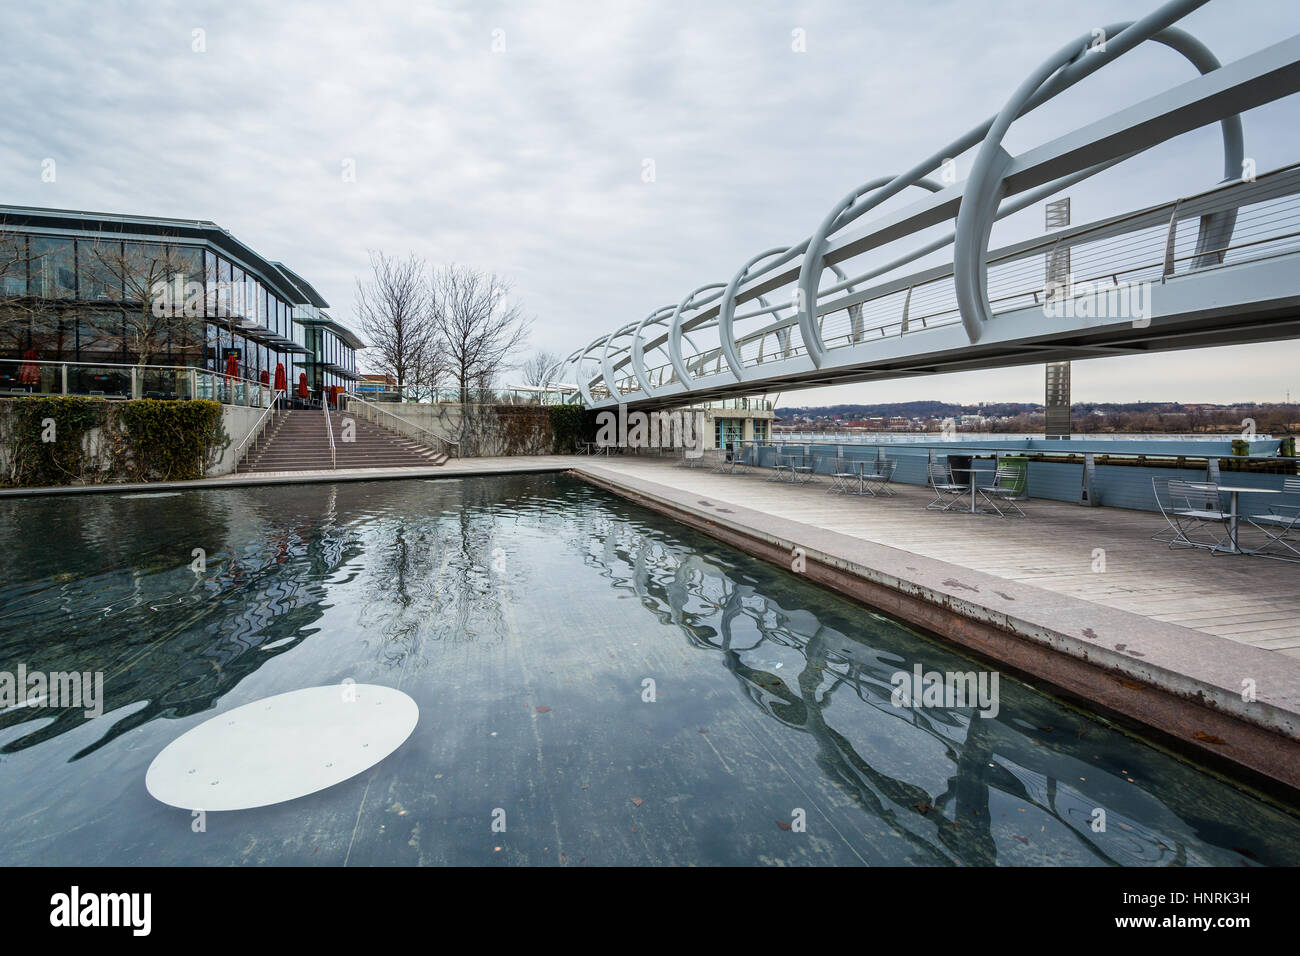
{"x": 111, "y": 291}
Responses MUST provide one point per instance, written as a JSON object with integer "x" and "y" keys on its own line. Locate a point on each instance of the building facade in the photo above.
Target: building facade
{"x": 108, "y": 291}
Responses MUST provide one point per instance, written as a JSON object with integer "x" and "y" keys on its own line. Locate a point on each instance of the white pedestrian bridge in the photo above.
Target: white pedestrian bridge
{"x": 851, "y": 303}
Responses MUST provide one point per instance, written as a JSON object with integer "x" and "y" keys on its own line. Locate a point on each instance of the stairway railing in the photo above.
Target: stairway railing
{"x": 404, "y": 427}
{"x": 258, "y": 428}
{"x": 329, "y": 430}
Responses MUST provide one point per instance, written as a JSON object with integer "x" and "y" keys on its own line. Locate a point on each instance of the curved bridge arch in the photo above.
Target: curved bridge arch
{"x": 972, "y": 206}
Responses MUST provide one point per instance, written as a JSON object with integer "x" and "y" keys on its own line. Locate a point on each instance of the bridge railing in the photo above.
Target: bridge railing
{"x": 1154, "y": 244}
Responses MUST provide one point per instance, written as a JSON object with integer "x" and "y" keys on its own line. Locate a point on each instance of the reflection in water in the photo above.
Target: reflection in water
{"x": 447, "y": 586}
{"x": 986, "y": 754}
{"x": 163, "y": 635}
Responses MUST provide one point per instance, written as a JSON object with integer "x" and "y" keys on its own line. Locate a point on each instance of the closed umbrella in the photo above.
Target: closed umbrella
{"x": 302, "y": 385}
{"x": 232, "y": 366}
{"x": 281, "y": 383}
{"x": 266, "y": 377}
{"x": 29, "y": 373}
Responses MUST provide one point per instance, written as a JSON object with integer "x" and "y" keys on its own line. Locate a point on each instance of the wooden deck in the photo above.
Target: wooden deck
{"x": 1243, "y": 598}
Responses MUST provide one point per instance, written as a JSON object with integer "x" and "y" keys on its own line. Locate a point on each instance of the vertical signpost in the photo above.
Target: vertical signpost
{"x": 1056, "y": 403}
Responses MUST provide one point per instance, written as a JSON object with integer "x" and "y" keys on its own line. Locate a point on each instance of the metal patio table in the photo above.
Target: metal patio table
{"x": 1233, "y": 514}
{"x": 973, "y": 472}
{"x": 802, "y": 473}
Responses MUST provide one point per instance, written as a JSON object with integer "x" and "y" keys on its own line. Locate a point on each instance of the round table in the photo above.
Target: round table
{"x": 973, "y": 472}
{"x": 1234, "y": 490}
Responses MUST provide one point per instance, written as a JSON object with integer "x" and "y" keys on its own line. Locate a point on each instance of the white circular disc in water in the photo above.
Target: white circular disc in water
{"x": 282, "y": 747}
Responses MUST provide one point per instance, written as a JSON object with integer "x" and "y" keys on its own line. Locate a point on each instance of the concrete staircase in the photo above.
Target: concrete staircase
{"x": 297, "y": 441}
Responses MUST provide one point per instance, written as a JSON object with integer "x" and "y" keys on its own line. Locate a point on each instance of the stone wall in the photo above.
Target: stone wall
{"x": 484, "y": 430}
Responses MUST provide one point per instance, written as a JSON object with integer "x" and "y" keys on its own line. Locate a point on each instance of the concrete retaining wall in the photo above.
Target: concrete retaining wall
{"x": 483, "y": 431}
{"x": 238, "y": 421}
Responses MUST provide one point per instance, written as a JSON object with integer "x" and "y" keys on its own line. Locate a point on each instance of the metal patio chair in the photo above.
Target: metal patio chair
{"x": 947, "y": 493}
{"x": 719, "y": 459}
{"x": 878, "y": 476}
{"x": 1008, "y": 485}
{"x": 736, "y": 464}
{"x": 805, "y": 473}
{"x": 1190, "y": 508}
{"x": 782, "y": 468}
{"x": 845, "y": 477}
{"x": 1280, "y": 525}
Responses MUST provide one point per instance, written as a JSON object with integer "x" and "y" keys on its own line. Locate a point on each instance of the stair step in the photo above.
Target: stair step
{"x": 296, "y": 440}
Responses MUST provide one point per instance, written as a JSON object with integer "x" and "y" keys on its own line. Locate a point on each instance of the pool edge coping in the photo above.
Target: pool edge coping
{"x": 531, "y": 464}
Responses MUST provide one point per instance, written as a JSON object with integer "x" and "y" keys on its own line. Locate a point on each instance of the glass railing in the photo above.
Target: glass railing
{"x": 29, "y": 377}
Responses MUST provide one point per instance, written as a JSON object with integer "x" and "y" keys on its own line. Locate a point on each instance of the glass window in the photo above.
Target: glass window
{"x": 13, "y": 264}
{"x": 224, "y": 305}
{"x": 237, "y": 291}
{"x": 213, "y": 346}
{"x": 53, "y": 268}
{"x": 139, "y": 267}
{"x": 98, "y": 270}
{"x": 254, "y": 299}
{"x": 187, "y": 262}
{"x": 210, "y": 278}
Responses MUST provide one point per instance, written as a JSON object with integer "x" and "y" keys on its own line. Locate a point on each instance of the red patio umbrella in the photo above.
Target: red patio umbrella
{"x": 29, "y": 373}
{"x": 302, "y": 385}
{"x": 281, "y": 384}
{"x": 266, "y": 377}
{"x": 232, "y": 366}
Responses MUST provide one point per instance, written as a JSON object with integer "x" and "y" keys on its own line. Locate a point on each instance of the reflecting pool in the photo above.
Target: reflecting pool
{"x": 597, "y": 685}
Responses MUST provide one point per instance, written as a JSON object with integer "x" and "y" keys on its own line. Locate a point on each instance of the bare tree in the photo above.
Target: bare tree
{"x": 139, "y": 280}
{"x": 541, "y": 369}
{"x": 15, "y": 301}
{"x": 393, "y": 309}
{"x": 479, "y": 328}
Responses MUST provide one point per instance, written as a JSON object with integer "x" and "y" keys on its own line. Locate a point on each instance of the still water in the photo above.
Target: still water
{"x": 596, "y": 684}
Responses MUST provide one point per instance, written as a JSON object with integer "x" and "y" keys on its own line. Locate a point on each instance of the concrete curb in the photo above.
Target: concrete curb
{"x": 502, "y": 466}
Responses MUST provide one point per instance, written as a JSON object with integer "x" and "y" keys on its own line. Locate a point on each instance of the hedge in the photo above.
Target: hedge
{"x": 48, "y": 440}
{"x": 571, "y": 425}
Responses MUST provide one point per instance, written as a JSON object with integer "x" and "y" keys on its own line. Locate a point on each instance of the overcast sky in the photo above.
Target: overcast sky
{"x": 514, "y": 137}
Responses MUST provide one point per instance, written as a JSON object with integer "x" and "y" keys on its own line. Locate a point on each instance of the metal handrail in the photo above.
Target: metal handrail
{"x": 329, "y": 430}
{"x": 256, "y": 431}
{"x": 1168, "y": 261}
{"x": 1127, "y": 225}
{"x": 151, "y": 368}
{"x": 217, "y": 377}
{"x": 406, "y": 422}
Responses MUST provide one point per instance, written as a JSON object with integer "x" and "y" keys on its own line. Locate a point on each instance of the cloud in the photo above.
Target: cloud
{"x": 528, "y": 159}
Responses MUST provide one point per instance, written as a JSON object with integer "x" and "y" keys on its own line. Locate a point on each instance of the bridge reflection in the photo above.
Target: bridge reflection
{"x": 990, "y": 760}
